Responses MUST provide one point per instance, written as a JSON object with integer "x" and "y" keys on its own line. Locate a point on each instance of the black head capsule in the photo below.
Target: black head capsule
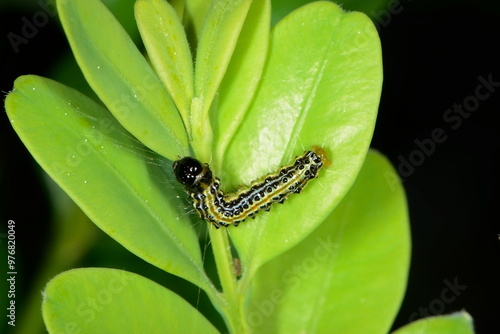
{"x": 189, "y": 172}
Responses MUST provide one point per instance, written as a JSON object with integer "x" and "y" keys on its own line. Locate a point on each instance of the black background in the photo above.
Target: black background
{"x": 434, "y": 54}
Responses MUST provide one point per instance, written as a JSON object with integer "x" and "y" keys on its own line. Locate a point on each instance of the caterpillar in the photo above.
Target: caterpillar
{"x": 222, "y": 209}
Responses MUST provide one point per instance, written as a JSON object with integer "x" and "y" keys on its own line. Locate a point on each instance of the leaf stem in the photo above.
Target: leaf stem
{"x": 233, "y": 314}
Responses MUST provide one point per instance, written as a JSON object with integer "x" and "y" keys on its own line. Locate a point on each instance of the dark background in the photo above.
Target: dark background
{"x": 434, "y": 54}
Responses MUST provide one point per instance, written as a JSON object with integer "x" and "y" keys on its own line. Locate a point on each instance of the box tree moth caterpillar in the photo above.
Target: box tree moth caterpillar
{"x": 224, "y": 209}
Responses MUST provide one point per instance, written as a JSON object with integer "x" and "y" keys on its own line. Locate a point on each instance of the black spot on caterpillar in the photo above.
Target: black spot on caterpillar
{"x": 223, "y": 209}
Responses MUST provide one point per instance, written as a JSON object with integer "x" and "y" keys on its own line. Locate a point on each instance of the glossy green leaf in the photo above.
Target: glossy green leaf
{"x": 168, "y": 50}
{"x": 321, "y": 86}
{"x": 349, "y": 275}
{"x": 121, "y": 76}
{"x": 456, "y": 323}
{"x": 218, "y": 37}
{"x": 97, "y": 300}
{"x": 126, "y": 189}
{"x": 242, "y": 77}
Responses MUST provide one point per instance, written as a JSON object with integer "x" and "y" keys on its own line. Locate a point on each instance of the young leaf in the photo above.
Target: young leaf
{"x": 218, "y": 36}
{"x": 348, "y": 276}
{"x": 168, "y": 49}
{"x": 96, "y": 300}
{"x": 321, "y": 86}
{"x": 121, "y": 77}
{"x": 456, "y": 323}
{"x": 242, "y": 77}
{"x": 122, "y": 186}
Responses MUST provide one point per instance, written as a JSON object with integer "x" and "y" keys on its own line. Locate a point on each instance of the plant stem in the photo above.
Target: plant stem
{"x": 234, "y": 314}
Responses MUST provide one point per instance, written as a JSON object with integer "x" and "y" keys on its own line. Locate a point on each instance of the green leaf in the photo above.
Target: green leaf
{"x": 168, "y": 49}
{"x": 456, "y": 323}
{"x": 121, "y": 76}
{"x": 242, "y": 77}
{"x": 123, "y": 187}
{"x": 348, "y": 276}
{"x": 219, "y": 34}
{"x": 98, "y": 300}
{"x": 321, "y": 86}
